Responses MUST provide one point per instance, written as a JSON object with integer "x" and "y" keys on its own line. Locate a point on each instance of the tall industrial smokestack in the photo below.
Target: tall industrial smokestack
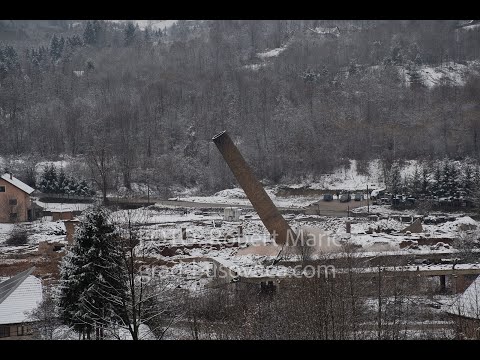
{"x": 263, "y": 205}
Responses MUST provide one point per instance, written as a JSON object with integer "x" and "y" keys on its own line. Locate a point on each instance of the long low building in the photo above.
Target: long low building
{"x": 19, "y": 295}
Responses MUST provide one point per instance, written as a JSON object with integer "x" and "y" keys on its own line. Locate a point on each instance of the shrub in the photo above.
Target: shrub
{"x": 18, "y": 236}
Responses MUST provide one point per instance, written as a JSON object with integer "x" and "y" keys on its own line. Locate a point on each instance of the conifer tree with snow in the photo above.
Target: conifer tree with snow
{"x": 83, "y": 189}
{"x": 425, "y": 187}
{"x": 63, "y": 183}
{"x": 48, "y": 180}
{"x": 93, "y": 281}
{"x": 395, "y": 179}
{"x": 436, "y": 187}
{"x": 129, "y": 33}
{"x": 475, "y": 197}
{"x": 468, "y": 181}
{"x": 89, "y": 36}
{"x": 55, "y": 182}
{"x": 54, "y": 47}
{"x": 450, "y": 185}
{"x": 416, "y": 183}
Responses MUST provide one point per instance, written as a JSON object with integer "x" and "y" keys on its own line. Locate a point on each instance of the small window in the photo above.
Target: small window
{"x": 12, "y": 202}
{"x": 4, "y": 331}
{"x": 13, "y": 216}
{"x": 20, "y": 330}
{"x": 2, "y": 189}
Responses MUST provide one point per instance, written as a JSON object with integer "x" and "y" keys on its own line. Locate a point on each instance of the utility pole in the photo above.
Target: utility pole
{"x": 368, "y": 201}
{"x": 379, "y": 319}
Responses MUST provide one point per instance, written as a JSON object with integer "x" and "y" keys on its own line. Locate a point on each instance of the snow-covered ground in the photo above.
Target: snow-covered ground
{"x": 265, "y": 56}
{"x": 5, "y": 230}
{"x": 342, "y": 178}
{"x": 237, "y": 196}
{"x": 450, "y": 73}
{"x": 154, "y": 24}
{"x": 271, "y": 53}
{"x": 63, "y": 332}
{"x": 206, "y": 231}
{"x": 39, "y": 231}
{"x": 350, "y": 178}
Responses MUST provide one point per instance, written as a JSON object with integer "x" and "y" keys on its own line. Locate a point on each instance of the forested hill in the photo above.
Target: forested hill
{"x": 299, "y": 97}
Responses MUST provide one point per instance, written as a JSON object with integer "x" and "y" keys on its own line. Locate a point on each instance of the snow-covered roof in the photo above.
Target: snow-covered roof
{"x": 17, "y": 183}
{"x": 18, "y": 296}
{"x": 333, "y": 31}
{"x": 377, "y": 191}
{"x": 468, "y": 304}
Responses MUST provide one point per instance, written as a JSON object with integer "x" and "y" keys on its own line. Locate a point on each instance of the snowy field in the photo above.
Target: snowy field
{"x": 348, "y": 178}
{"x": 153, "y": 24}
{"x": 187, "y": 263}
{"x": 450, "y": 73}
{"x": 237, "y": 196}
{"x": 204, "y": 232}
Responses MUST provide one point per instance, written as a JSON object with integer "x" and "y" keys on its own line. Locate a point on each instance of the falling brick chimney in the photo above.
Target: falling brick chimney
{"x": 263, "y": 205}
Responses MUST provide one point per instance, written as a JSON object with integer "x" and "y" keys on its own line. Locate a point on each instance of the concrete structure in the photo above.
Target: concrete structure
{"x": 15, "y": 201}
{"x": 70, "y": 226}
{"x": 231, "y": 214}
{"x": 48, "y": 248}
{"x": 276, "y": 225}
{"x": 19, "y": 295}
{"x": 62, "y": 215}
{"x": 415, "y": 227}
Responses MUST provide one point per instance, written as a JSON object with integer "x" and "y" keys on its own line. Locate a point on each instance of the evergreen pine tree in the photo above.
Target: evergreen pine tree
{"x": 449, "y": 181}
{"x": 93, "y": 278}
{"x": 476, "y": 188}
{"x": 74, "y": 41}
{"x": 99, "y": 32}
{"x": 147, "y": 37}
{"x": 10, "y": 59}
{"x": 54, "y": 48}
{"x": 48, "y": 180}
{"x": 89, "y": 36}
{"x": 129, "y": 33}
{"x": 73, "y": 186}
{"x": 468, "y": 181}
{"x": 437, "y": 181}
{"x": 416, "y": 183}
{"x": 62, "y": 183}
{"x": 426, "y": 187}
{"x": 454, "y": 186}
{"x": 83, "y": 189}
{"x": 395, "y": 179}
{"x": 61, "y": 46}
{"x": 90, "y": 65}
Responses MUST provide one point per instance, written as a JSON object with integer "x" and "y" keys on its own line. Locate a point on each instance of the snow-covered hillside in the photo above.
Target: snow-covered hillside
{"x": 448, "y": 73}
{"x": 347, "y": 178}
{"x": 271, "y": 53}
{"x": 153, "y": 24}
{"x": 265, "y": 56}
